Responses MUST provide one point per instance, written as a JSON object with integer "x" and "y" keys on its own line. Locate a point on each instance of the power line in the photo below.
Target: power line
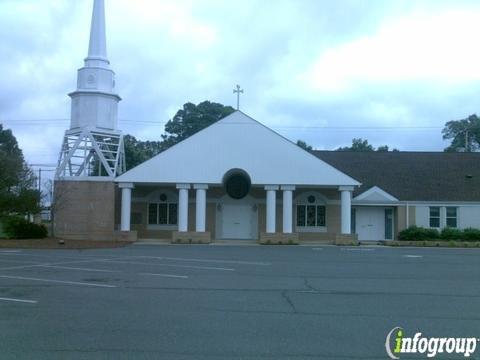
{"x": 293, "y": 127}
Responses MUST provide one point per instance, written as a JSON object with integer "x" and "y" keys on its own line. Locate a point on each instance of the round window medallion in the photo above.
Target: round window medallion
{"x": 163, "y": 197}
{"x": 311, "y": 199}
{"x": 237, "y": 185}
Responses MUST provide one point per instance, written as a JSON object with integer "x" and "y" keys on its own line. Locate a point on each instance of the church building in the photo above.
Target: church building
{"x": 238, "y": 179}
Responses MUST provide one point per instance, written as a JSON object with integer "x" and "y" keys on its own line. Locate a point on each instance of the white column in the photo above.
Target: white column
{"x": 346, "y": 210}
{"x": 201, "y": 207}
{"x": 287, "y": 208}
{"x": 126, "y": 205}
{"x": 443, "y": 217}
{"x": 183, "y": 207}
{"x": 271, "y": 207}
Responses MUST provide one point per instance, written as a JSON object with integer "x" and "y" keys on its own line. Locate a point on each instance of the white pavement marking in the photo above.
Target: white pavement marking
{"x": 413, "y": 256}
{"x": 170, "y": 265}
{"x": 318, "y": 249}
{"x": 165, "y": 275}
{"x": 259, "y": 263}
{"x": 18, "y": 300}
{"x": 57, "y": 281}
{"x": 80, "y": 269}
{"x": 356, "y": 249}
{"x": 50, "y": 264}
{"x": 9, "y": 251}
{"x": 2, "y": 260}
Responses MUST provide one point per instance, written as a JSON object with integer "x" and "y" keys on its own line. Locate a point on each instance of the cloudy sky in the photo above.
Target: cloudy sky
{"x": 323, "y": 71}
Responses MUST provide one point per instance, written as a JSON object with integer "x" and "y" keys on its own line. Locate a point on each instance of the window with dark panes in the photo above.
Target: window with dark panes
{"x": 320, "y": 215}
{"x": 434, "y": 216}
{"x": 301, "y": 215}
{"x": 172, "y": 214}
{"x": 452, "y": 217}
{"x": 152, "y": 214}
{"x": 311, "y": 215}
{"x": 162, "y": 214}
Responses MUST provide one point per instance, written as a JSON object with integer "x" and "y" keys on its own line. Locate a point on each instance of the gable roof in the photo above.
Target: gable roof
{"x": 375, "y": 194}
{"x": 237, "y": 142}
{"x": 412, "y": 176}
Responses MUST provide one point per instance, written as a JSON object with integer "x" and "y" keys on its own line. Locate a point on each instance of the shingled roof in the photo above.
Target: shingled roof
{"x": 412, "y": 176}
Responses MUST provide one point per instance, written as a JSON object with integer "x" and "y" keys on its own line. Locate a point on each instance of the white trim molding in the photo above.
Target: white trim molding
{"x": 375, "y": 190}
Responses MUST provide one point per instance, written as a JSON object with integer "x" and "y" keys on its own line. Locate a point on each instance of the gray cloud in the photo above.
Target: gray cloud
{"x": 170, "y": 52}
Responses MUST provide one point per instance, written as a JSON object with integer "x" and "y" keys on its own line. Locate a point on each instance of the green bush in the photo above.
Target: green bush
{"x": 416, "y": 233}
{"x": 19, "y": 228}
{"x": 451, "y": 234}
{"x": 471, "y": 234}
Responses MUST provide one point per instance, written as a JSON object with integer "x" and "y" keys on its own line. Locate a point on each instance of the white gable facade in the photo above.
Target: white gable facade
{"x": 236, "y": 179}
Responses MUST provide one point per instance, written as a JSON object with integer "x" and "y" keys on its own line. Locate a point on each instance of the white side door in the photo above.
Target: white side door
{"x": 370, "y": 223}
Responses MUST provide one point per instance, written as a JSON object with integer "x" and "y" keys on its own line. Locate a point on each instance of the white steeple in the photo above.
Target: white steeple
{"x": 93, "y": 146}
{"x": 94, "y": 103}
{"x": 97, "y": 49}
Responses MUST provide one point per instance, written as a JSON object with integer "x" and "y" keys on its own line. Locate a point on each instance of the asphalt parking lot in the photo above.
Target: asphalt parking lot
{"x": 232, "y": 302}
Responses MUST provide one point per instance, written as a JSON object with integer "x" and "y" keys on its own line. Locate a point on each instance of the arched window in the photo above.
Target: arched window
{"x": 311, "y": 211}
{"x": 162, "y": 208}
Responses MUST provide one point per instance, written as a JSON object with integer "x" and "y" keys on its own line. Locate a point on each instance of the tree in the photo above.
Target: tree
{"x": 136, "y": 151}
{"x": 464, "y": 134}
{"x": 191, "y": 119}
{"x": 304, "y": 145}
{"x": 186, "y": 122}
{"x": 385, "y": 148}
{"x": 359, "y": 144}
{"x": 17, "y": 180}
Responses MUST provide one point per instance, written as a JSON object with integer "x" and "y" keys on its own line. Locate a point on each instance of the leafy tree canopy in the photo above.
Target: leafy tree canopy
{"x": 304, "y": 145}
{"x": 136, "y": 151}
{"x": 359, "y": 144}
{"x": 186, "y": 122}
{"x": 464, "y": 134}
{"x": 193, "y": 118}
{"x": 17, "y": 181}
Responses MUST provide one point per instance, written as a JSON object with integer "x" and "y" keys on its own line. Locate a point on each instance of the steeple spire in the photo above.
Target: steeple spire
{"x": 97, "y": 49}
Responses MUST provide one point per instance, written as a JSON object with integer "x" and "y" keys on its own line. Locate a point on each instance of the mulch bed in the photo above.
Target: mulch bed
{"x": 51, "y": 243}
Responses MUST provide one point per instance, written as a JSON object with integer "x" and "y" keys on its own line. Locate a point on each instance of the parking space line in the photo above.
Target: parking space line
{"x": 259, "y": 263}
{"x": 165, "y": 275}
{"x": 42, "y": 255}
{"x": 58, "y": 281}
{"x": 18, "y": 261}
{"x": 170, "y": 265}
{"x": 80, "y": 269}
{"x": 413, "y": 256}
{"x": 358, "y": 249}
{"x": 51, "y": 264}
{"x": 18, "y": 300}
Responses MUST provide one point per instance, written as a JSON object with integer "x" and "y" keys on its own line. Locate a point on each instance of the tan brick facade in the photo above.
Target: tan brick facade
{"x": 84, "y": 210}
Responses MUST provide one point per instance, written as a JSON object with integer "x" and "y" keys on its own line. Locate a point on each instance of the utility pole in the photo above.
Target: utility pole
{"x": 40, "y": 180}
{"x": 39, "y": 188}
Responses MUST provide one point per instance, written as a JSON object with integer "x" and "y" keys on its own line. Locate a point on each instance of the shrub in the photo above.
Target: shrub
{"x": 471, "y": 234}
{"x": 19, "y": 228}
{"x": 418, "y": 234}
{"x": 451, "y": 234}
